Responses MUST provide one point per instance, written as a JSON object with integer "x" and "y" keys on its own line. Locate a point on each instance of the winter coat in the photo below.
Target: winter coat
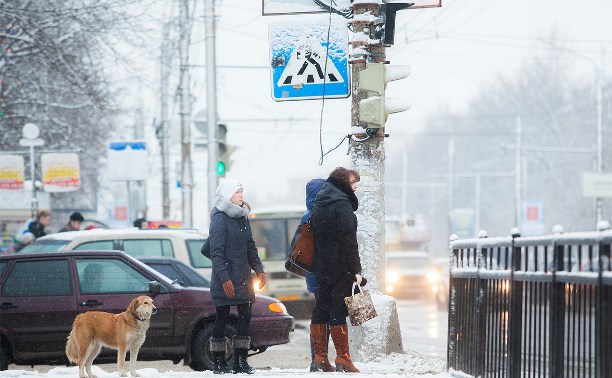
{"x": 233, "y": 253}
{"x": 37, "y": 229}
{"x": 336, "y": 252}
{"x": 312, "y": 189}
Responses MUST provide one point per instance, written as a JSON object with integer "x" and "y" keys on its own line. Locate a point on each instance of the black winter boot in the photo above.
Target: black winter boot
{"x": 217, "y": 347}
{"x": 241, "y": 349}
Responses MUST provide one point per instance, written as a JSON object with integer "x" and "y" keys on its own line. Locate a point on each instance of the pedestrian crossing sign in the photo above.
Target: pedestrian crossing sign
{"x": 309, "y": 59}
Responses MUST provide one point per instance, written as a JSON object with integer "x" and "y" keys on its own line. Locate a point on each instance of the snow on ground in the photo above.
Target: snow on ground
{"x": 410, "y": 364}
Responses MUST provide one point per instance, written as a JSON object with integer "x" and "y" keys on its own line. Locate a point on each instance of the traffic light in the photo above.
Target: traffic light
{"x": 221, "y": 148}
{"x": 375, "y": 109}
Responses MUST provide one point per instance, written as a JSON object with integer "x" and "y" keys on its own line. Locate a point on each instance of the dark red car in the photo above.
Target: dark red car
{"x": 41, "y": 294}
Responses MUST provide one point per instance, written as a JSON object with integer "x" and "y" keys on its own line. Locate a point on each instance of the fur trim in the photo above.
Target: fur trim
{"x": 241, "y": 342}
{"x": 231, "y": 209}
{"x": 217, "y": 345}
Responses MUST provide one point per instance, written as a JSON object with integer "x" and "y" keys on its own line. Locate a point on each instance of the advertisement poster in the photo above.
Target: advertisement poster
{"x": 11, "y": 173}
{"x": 61, "y": 172}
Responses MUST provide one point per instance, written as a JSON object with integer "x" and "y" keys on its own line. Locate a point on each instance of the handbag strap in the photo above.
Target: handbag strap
{"x": 353, "y": 290}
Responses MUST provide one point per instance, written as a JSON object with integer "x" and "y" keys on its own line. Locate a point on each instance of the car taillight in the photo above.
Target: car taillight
{"x": 277, "y": 307}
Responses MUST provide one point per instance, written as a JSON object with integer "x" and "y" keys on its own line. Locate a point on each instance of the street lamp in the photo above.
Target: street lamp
{"x": 30, "y": 139}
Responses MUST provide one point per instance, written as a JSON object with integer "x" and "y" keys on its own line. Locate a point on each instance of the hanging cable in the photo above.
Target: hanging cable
{"x": 323, "y": 97}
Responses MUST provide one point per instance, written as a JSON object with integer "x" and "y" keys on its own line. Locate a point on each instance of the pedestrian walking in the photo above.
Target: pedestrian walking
{"x": 233, "y": 255}
{"x": 312, "y": 189}
{"x": 74, "y": 222}
{"x": 37, "y": 227}
{"x": 336, "y": 266}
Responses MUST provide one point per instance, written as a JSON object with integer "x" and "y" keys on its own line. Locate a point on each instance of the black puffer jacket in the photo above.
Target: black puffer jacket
{"x": 335, "y": 233}
{"x": 233, "y": 254}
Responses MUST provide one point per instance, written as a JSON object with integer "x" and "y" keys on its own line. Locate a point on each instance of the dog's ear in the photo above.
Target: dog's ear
{"x": 134, "y": 305}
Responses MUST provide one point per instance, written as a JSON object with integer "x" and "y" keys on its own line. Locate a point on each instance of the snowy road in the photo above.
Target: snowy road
{"x": 423, "y": 329}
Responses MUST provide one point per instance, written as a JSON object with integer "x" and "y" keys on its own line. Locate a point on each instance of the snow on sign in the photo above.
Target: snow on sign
{"x": 288, "y": 7}
{"x": 127, "y": 161}
{"x": 305, "y": 65}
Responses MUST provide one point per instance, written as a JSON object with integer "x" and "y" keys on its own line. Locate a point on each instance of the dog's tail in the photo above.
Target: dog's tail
{"x": 72, "y": 349}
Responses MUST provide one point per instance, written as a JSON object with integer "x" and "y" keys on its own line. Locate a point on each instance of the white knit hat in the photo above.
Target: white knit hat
{"x": 227, "y": 188}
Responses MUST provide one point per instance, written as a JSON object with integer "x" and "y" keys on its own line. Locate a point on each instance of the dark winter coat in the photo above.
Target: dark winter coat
{"x": 233, "y": 255}
{"x": 335, "y": 233}
{"x": 37, "y": 229}
{"x": 312, "y": 189}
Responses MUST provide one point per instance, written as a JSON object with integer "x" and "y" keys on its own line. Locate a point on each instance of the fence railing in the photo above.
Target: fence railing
{"x": 531, "y": 306}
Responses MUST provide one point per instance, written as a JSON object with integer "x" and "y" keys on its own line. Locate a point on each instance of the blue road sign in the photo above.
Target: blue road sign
{"x": 305, "y": 64}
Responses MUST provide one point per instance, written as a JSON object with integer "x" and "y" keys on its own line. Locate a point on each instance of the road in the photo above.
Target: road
{"x": 423, "y": 329}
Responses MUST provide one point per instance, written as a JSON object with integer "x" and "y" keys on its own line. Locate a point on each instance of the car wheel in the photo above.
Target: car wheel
{"x": 4, "y": 362}
{"x": 201, "y": 356}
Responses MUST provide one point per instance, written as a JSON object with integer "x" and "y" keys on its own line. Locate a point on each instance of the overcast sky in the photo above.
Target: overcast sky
{"x": 452, "y": 51}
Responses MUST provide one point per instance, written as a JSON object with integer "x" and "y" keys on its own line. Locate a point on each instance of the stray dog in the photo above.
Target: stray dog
{"x": 125, "y": 331}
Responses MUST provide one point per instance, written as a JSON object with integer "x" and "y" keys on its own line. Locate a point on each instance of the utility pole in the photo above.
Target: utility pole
{"x": 211, "y": 101}
{"x": 185, "y": 114}
{"x": 166, "y": 58}
{"x": 367, "y": 156}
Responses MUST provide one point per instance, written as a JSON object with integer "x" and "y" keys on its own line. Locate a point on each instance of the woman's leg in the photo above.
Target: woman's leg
{"x": 220, "y": 321}
{"x": 339, "y": 328}
{"x": 318, "y": 328}
{"x": 242, "y": 340}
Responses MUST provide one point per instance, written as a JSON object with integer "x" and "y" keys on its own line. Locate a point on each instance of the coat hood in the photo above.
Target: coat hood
{"x": 312, "y": 189}
{"x": 335, "y": 190}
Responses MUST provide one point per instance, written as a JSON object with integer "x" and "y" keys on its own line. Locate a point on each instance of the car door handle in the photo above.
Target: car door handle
{"x": 6, "y": 305}
{"x": 91, "y": 302}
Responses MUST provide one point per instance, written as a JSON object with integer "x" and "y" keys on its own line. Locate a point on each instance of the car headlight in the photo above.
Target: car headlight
{"x": 433, "y": 276}
{"x": 392, "y": 276}
{"x": 256, "y": 286}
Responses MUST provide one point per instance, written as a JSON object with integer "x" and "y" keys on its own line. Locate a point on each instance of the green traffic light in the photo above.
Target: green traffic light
{"x": 220, "y": 168}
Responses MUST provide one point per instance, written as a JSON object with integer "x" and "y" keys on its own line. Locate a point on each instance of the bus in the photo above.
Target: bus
{"x": 273, "y": 230}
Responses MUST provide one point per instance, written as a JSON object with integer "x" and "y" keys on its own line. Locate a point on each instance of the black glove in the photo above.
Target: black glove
{"x": 364, "y": 281}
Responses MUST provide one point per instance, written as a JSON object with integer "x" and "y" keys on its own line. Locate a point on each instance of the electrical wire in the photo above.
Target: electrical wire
{"x": 324, "y": 83}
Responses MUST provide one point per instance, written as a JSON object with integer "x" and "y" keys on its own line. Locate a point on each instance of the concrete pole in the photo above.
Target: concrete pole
{"x": 368, "y": 158}
{"x": 211, "y": 101}
{"x": 185, "y": 115}
{"x": 164, "y": 69}
{"x": 518, "y": 170}
{"x": 598, "y": 200}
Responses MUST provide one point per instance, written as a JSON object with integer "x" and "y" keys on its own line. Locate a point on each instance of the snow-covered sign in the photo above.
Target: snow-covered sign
{"x": 278, "y": 7}
{"x": 11, "y": 173}
{"x": 305, "y": 64}
{"x": 61, "y": 172}
{"x": 127, "y": 161}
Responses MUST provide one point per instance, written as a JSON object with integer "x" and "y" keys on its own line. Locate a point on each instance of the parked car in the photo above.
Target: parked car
{"x": 184, "y": 245}
{"x": 41, "y": 294}
{"x": 176, "y": 270}
{"x": 410, "y": 274}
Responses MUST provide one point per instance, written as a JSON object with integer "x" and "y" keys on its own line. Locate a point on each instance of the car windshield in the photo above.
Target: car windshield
{"x": 408, "y": 262}
{"x": 45, "y": 246}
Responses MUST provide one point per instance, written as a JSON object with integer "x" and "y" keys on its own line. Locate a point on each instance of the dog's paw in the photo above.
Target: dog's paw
{"x": 124, "y": 374}
{"x": 135, "y": 374}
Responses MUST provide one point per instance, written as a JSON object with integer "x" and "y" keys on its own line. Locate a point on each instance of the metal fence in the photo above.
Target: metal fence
{"x": 531, "y": 306}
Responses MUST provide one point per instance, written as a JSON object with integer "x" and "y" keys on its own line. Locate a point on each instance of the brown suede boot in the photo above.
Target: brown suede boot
{"x": 318, "y": 332}
{"x": 339, "y": 335}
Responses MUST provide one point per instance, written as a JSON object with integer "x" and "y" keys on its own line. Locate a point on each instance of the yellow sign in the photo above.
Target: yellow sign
{"x": 11, "y": 173}
{"x": 61, "y": 172}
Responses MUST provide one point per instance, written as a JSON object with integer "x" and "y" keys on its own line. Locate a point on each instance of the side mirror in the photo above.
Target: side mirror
{"x": 154, "y": 287}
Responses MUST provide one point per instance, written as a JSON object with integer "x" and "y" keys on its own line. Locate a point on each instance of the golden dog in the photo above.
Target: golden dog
{"x": 125, "y": 331}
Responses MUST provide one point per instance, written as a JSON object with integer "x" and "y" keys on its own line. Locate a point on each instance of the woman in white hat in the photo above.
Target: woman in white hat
{"x": 233, "y": 255}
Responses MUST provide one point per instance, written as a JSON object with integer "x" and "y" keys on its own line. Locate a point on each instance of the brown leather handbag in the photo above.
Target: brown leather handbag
{"x": 301, "y": 253}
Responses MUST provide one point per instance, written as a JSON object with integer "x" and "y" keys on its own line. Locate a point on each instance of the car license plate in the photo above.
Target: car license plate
{"x": 288, "y": 297}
